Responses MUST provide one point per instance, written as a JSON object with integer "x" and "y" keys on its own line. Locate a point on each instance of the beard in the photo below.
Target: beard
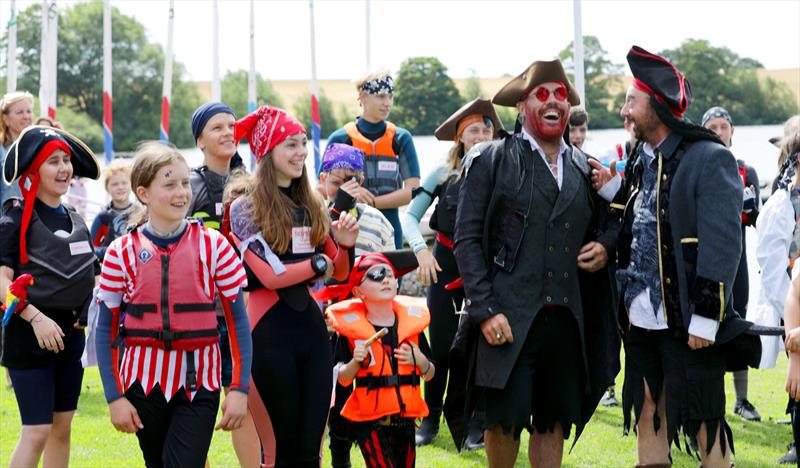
{"x": 544, "y": 129}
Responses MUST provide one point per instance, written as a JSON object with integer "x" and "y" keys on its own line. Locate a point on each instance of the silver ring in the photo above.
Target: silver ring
{"x": 499, "y": 336}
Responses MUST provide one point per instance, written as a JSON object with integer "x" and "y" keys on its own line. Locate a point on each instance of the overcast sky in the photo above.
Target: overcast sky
{"x": 487, "y": 37}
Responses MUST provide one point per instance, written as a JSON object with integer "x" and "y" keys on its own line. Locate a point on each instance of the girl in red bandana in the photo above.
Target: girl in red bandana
{"x": 287, "y": 241}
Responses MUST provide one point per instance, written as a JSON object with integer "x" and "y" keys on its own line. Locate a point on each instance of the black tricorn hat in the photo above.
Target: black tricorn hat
{"x": 537, "y": 73}
{"x": 23, "y": 152}
{"x": 655, "y": 75}
{"x": 448, "y": 130}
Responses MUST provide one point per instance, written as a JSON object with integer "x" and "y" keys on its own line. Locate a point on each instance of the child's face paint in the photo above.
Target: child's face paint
{"x": 168, "y": 196}
{"x": 54, "y": 176}
{"x": 119, "y": 187}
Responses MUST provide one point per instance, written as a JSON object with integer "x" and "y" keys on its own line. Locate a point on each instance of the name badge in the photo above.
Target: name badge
{"x": 388, "y": 166}
{"x": 301, "y": 240}
{"x": 79, "y": 248}
{"x": 220, "y": 209}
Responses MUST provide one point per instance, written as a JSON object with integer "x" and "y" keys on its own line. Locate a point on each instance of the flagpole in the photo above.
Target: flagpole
{"x": 577, "y": 47}
{"x": 166, "y": 93}
{"x": 251, "y": 76}
{"x": 49, "y": 59}
{"x": 11, "y": 79}
{"x": 315, "y": 121}
{"x": 216, "y": 91}
{"x": 108, "y": 134}
{"x": 369, "y": 54}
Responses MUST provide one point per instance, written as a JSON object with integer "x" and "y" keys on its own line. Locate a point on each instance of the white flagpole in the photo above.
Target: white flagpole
{"x": 577, "y": 48}
{"x": 369, "y": 54}
{"x": 108, "y": 134}
{"x": 315, "y": 119}
{"x": 216, "y": 91}
{"x": 11, "y": 79}
{"x": 251, "y": 76}
{"x": 166, "y": 93}
{"x": 48, "y": 60}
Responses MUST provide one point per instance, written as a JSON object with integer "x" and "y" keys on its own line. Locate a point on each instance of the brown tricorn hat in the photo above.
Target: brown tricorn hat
{"x": 539, "y": 72}
{"x": 447, "y": 131}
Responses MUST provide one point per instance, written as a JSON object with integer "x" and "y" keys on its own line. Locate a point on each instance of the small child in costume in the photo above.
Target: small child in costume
{"x": 388, "y": 366}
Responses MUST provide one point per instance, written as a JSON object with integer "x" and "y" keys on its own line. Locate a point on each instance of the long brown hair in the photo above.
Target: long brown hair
{"x": 273, "y": 211}
{"x": 454, "y": 157}
{"x": 151, "y": 156}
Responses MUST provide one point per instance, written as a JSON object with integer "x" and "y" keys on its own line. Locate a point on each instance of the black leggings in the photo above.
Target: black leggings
{"x": 292, "y": 372}
{"x": 444, "y": 322}
{"x": 176, "y": 433}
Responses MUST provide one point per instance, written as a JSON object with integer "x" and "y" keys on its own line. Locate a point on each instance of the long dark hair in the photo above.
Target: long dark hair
{"x": 689, "y": 131}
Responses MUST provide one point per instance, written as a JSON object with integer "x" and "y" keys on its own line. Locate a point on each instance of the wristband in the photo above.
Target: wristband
{"x": 36, "y": 315}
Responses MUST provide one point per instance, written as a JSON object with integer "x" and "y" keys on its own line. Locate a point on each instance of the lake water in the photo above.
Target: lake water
{"x": 749, "y": 143}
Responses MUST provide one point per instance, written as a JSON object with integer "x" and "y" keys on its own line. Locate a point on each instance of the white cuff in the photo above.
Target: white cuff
{"x": 610, "y": 189}
{"x": 703, "y": 327}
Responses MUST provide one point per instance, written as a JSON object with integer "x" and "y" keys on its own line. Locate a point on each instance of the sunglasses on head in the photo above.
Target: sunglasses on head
{"x": 543, "y": 94}
{"x": 378, "y": 274}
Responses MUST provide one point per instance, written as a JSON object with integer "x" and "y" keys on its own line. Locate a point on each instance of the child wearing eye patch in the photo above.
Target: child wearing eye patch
{"x": 387, "y": 369}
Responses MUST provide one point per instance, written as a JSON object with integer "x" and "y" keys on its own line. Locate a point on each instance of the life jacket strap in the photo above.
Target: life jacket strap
{"x": 373, "y": 382}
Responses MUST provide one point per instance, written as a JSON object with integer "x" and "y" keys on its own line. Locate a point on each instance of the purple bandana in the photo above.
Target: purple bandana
{"x": 340, "y": 156}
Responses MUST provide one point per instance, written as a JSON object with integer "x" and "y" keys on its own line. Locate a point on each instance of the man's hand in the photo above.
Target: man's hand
{"x": 793, "y": 377}
{"x": 496, "y": 330}
{"x": 592, "y": 257}
{"x": 601, "y": 174}
{"x": 695, "y": 342}
{"x": 234, "y": 409}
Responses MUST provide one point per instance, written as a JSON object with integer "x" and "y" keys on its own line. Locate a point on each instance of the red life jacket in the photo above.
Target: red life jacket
{"x": 168, "y": 307}
{"x": 379, "y": 392}
{"x": 743, "y": 175}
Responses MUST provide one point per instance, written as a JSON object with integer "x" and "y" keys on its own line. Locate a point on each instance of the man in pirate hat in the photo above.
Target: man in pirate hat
{"x": 529, "y": 246}
{"x": 680, "y": 206}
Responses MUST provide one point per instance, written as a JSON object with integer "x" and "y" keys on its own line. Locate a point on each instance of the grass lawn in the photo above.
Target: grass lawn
{"x": 97, "y": 444}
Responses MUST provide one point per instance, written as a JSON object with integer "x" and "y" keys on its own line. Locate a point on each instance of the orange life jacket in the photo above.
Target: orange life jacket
{"x": 381, "y": 166}
{"x": 379, "y": 392}
{"x": 168, "y": 307}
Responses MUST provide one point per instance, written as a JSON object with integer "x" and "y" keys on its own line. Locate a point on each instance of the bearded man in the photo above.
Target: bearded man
{"x": 680, "y": 205}
{"x": 531, "y": 252}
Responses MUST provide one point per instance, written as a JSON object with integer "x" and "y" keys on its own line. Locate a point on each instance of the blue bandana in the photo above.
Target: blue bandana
{"x": 340, "y": 156}
{"x": 204, "y": 113}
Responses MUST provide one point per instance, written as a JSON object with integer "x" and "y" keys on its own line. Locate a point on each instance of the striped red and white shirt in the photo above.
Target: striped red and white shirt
{"x": 221, "y": 271}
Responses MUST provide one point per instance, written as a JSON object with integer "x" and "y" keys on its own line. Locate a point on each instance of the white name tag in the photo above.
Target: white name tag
{"x": 390, "y": 166}
{"x": 301, "y": 240}
{"x": 220, "y": 209}
{"x": 79, "y": 248}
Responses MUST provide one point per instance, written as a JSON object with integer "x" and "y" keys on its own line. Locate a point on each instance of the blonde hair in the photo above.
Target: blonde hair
{"x": 239, "y": 183}
{"x": 151, "y": 156}
{"x": 790, "y": 128}
{"x": 117, "y": 166}
{"x": 374, "y": 75}
{"x": 5, "y": 105}
{"x": 273, "y": 211}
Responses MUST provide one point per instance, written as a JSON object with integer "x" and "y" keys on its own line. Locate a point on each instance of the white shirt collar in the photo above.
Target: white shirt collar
{"x": 561, "y": 150}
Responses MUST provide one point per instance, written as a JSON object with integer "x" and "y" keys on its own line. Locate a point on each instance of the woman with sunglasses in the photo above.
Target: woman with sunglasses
{"x": 287, "y": 241}
{"x": 384, "y": 351}
{"x": 473, "y": 123}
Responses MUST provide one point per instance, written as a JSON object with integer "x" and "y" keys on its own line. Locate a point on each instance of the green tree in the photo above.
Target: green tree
{"x": 137, "y": 73}
{"x": 719, "y": 77}
{"x": 327, "y": 116}
{"x": 234, "y": 92}
{"x": 472, "y": 89}
{"x": 601, "y": 76}
{"x": 424, "y": 95}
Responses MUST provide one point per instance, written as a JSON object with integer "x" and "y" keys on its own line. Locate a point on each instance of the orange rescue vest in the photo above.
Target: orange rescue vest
{"x": 379, "y": 392}
{"x": 381, "y": 165}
